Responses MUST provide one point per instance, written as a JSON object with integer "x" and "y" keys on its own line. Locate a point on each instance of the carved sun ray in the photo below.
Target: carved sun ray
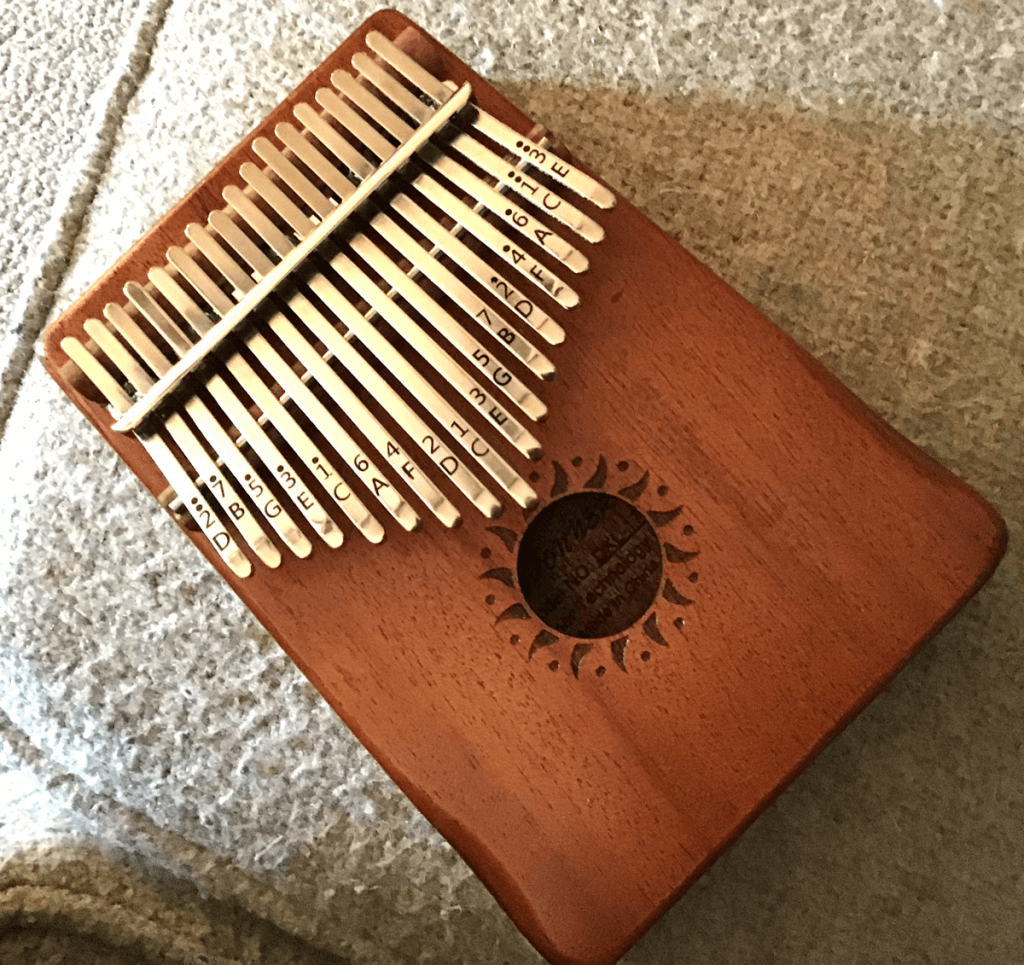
{"x": 586, "y": 582}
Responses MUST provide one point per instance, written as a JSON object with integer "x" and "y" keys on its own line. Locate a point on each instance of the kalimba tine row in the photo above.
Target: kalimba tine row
{"x": 590, "y": 662}
{"x": 268, "y": 244}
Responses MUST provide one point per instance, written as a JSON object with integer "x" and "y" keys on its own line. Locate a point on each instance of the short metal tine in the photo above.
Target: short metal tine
{"x": 419, "y": 76}
{"x": 143, "y": 345}
{"x": 544, "y": 159}
{"x": 568, "y": 174}
{"x": 158, "y": 318}
{"x": 247, "y": 209}
{"x": 292, "y": 176}
{"x": 370, "y": 104}
{"x": 301, "y": 223}
{"x": 516, "y": 218}
{"x": 529, "y": 189}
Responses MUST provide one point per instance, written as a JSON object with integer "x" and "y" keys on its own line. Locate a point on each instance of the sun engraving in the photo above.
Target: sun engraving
{"x": 592, "y": 579}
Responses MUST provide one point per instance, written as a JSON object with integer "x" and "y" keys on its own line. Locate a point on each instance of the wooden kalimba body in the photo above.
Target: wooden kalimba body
{"x": 590, "y": 555}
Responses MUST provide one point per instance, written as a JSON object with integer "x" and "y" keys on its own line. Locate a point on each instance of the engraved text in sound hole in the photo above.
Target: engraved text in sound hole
{"x": 589, "y": 565}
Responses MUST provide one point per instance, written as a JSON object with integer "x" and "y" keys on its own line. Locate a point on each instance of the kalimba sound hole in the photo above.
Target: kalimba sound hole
{"x": 589, "y": 565}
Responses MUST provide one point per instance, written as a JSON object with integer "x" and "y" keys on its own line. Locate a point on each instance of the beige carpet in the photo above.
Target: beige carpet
{"x": 80, "y": 907}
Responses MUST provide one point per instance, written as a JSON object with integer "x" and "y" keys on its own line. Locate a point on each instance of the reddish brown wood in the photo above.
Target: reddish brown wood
{"x": 830, "y": 549}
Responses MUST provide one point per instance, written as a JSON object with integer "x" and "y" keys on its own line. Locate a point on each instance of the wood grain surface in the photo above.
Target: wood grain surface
{"x": 802, "y": 552}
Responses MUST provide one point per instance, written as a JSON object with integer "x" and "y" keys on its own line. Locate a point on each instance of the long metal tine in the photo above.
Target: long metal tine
{"x": 281, "y": 468}
{"x": 342, "y": 395}
{"x": 246, "y": 475}
{"x": 425, "y": 436}
{"x": 316, "y": 460}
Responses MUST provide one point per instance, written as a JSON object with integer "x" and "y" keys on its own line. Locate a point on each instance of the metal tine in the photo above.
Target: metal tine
{"x": 214, "y": 339}
{"x": 185, "y": 438}
{"x": 505, "y": 209}
{"x": 413, "y": 293}
{"x": 424, "y": 261}
{"x": 438, "y": 91}
{"x": 487, "y": 362}
{"x": 306, "y": 151}
{"x": 352, "y": 122}
{"x": 126, "y": 326}
{"x": 214, "y": 432}
{"x": 307, "y": 116}
{"x": 261, "y": 394}
{"x": 471, "y": 303}
{"x": 418, "y": 76}
{"x": 550, "y": 202}
{"x": 499, "y": 243}
{"x": 464, "y": 434}
{"x": 387, "y": 84}
{"x": 521, "y": 260}
{"x": 481, "y": 155}
{"x": 165, "y": 460}
{"x": 303, "y": 396}
{"x": 476, "y": 266}
{"x": 310, "y": 195}
{"x": 364, "y": 373}
{"x": 349, "y": 403}
{"x": 251, "y": 431}
{"x": 469, "y": 261}
{"x": 547, "y": 161}
{"x": 436, "y": 356}
{"x": 326, "y": 528}
{"x": 158, "y": 318}
{"x": 418, "y": 386}
{"x": 431, "y": 156}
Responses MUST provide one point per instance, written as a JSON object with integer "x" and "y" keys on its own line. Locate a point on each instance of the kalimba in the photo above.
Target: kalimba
{"x": 591, "y": 556}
